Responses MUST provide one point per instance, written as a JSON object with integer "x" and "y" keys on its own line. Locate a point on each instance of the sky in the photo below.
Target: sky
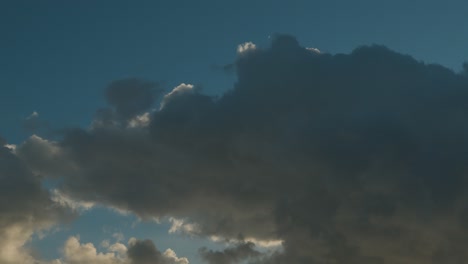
{"x": 262, "y": 132}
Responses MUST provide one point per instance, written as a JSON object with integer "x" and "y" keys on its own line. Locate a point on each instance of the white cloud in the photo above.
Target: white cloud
{"x": 181, "y": 226}
{"x": 315, "y": 50}
{"x": 75, "y": 252}
{"x": 142, "y": 120}
{"x": 11, "y": 247}
{"x": 10, "y": 146}
{"x": 264, "y": 243}
{"x": 13, "y": 239}
{"x": 119, "y": 248}
{"x": 80, "y": 253}
{"x": 66, "y": 201}
{"x": 171, "y": 256}
{"x": 244, "y": 47}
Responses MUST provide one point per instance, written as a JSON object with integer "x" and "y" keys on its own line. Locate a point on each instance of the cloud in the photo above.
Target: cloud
{"x": 142, "y": 120}
{"x": 4, "y": 143}
{"x": 346, "y": 158}
{"x": 136, "y": 252}
{"x": 232, "y": 255}
{"x": 46, "y": 157}
{"x": 315, "y": 50}
{"x": 181, "y": 226}
{"x": 254, "y": 241}
{"x": 145, "y": 252}
{"x": 76, "y": 253}
{"x": 25, "y": 209}
{"x": 245, "y": 47}
{"x": 67, "y": 202}
{"x": 179, "y": 91}
{"x": 118, "y": 236}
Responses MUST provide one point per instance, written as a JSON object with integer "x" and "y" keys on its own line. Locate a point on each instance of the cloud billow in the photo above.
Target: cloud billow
{"x": 25, "y": 208}
{"x": 136, "y": 252}
{"x": 347, "y": 158}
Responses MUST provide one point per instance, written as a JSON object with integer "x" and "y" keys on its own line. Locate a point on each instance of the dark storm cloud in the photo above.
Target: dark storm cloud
{"x": 347, "y": 158}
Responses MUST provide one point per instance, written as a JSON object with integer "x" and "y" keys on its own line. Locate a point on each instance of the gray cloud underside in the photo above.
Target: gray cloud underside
{"x": 347, "y": 158}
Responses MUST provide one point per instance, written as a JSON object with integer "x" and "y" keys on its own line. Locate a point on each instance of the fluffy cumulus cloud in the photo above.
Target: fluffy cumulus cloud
{"x": 81, "y": 253}
{"x": 346, "y": 158}
{"x": 145, "y": 252}
{"x": 245, "y": 47}
{"x": 136, "y": 252}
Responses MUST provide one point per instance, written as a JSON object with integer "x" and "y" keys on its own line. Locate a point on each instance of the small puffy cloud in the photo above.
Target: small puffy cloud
{"x": 142, "y": 120}
{"x": 245, "y": 47}
{"x": 136, "y": 252}
{"x": 33, "y": 115}
{"x": 119, "y": 248}
{"x": 181, "y": 226}
{"x": 172, "y": 257}
{"x": 84, "y": 253}
{"x": 12, "y": 147}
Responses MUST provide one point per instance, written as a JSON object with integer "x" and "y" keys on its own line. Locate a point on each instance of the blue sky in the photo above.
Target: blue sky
{"x": 58, "y": 57}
